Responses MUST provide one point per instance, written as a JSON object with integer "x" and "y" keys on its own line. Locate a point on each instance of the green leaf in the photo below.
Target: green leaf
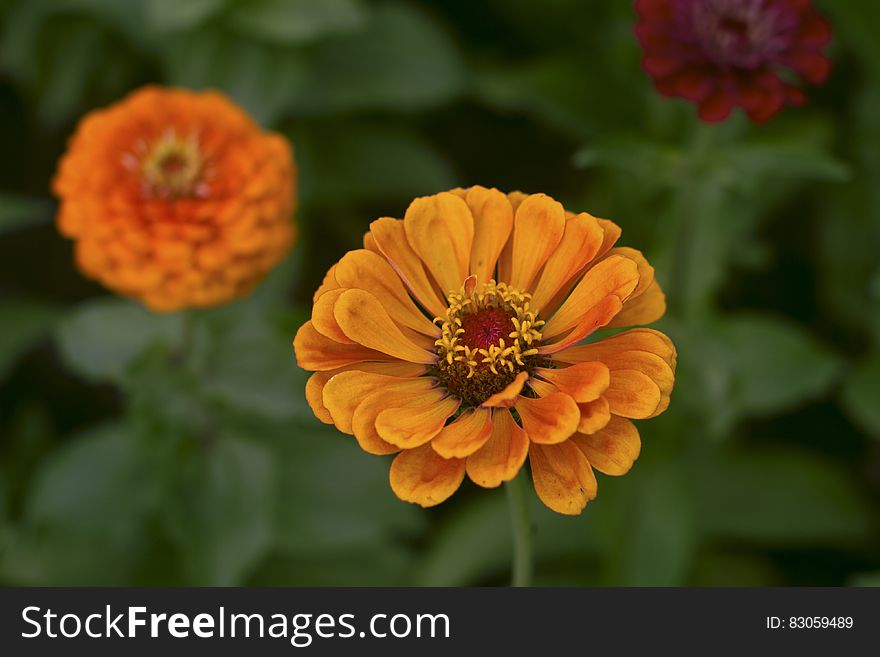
{"x": 655, "y": 163}
{"x": 785, "y": 159}
{"x": 18, "y": 212}
{"x": 130, "y": 17}
{"x": 98, "y": 476}
{"x": 560, "y": 92}
{"x": 402, "y": 61}
{"x": 263, "y": 79}
{"x": 861, "y": 394}
{"x": 28, "y": 438}
{"x": 783, "y": 497}
{"x": 102, "y": 338}
{"x": 336, "y": 496}
{"x": 296, "y": 21}
{"x": 793, "y": 149}
{"x": 24, "y": 323}
{"x": 473, "y": 543}
{"x": 6, "y": 532}
{"x": 866, "y": 579}
{"x": 749, "y": 365}
{"x": 849, "y": 276}
{"x": 85, "y": 519}
{"x": 75, "y": 52}
{"x": 68, "y": 54}
{"x": 774, "y": 363}
{"x": 243, "y": 357}
{"x": 366, "y": 162}
{"x": 855, "y": 25}
{"x": 20, "y": 31}
{"x": 387, "y": 565}
{"x": 252, "y": 367}
{"x": 170, "y": 15}
{"x": 220, "y": 513}
{"x": 657, "y": 531}
{"x": 733, "y": 569}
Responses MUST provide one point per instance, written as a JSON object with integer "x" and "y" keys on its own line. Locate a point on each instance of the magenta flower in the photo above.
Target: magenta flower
{"x": 722, "y": 54}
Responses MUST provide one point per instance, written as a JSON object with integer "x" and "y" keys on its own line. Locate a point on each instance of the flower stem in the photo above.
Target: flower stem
{"x": 517, "y": 498}
{"x": 187, "y": 331}
{"x": 688, "y": 200}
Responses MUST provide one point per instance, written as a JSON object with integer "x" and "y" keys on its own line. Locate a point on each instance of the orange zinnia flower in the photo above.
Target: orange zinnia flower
{"x": 176, "y": 198}
{"x": 514, "y": 283}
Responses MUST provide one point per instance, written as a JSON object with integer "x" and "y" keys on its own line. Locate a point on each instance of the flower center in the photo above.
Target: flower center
{"x": 172, "y": 167}
{"x": 487, "y": 338}
{"x": 741, "y": 33}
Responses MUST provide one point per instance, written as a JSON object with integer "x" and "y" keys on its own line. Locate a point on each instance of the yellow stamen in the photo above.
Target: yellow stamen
{"x": 502, "y": 355}
{"x": 172, "y": 166}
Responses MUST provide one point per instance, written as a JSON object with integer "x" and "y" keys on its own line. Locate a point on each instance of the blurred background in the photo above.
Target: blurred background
{"x": 135, "y": 452}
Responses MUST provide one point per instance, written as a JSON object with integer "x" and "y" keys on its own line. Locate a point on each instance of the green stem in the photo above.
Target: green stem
{"x": 517, "y": 498}
{"x": 686, "y": 206}
{"x": 188, "y": 328}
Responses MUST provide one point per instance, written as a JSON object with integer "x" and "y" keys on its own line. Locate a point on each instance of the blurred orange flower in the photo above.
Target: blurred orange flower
{"x": 514, "y": 283}
{"x": 176, "y": 198}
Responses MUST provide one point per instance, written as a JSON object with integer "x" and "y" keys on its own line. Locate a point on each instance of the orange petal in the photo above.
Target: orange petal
{"x": 371, "y": 272}
{"x": 344, "y": 391}
{"x": 579, "y": 245}
{"x": 440, "y": 229}
{"x": 584, "y": 381}
{"x": 423, "y": 477}
{"x": 550, "y": 419}
{"x": 390, "y": 237}
{"x": 646, "y": 271}
{"x": 612, "y": 450}
{"x": 314, "y": 395}
{"x": 426, "y": 342}
{"x": 493, "y": 221}
{"x": 594, "y": 415}
{"x": 516, "y": 199}
{"x": 550, "y": 307}
{"x": 470, "y": 285}
{"x": 323, "y": 319}
{"x": 649, "y": 364}
{"x": 329, "y": 283}
{"x": 465, "y": 435}
{"x": 417, "y": 422}
{"x": 644, "y": 350}
{"x": 363, "y": 424}
{"x": 646, "y": 363}
{"x": 632, "y": 394}
{"x": 537, "y": 229}
{"x": 595, "y": 318}
{"x": 616, "y": 275}
{"x": 363, "y": 319}
{"x": 503, "y": 454}
{"x": 505, "y": 261}
{"x": 640, "y": 339}
{"x": 315, "y": 384}
{"x": 542, "y": 388}
{"x": 370, "y": 243}
{"x": 563, "y": 478}
{"x": 395, "y": 368}
{"x": 611, "y": 234}
{"x": 646, "y": 308}
{"x": 363, "y": 421}
{"x": 317, "y": 352}
{"x": 507, "y": 397}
